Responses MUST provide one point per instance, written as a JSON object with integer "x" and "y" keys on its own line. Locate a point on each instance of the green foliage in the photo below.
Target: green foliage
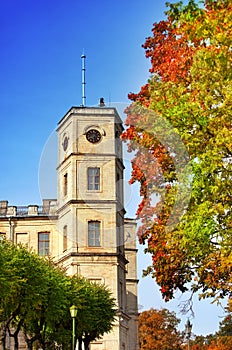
{"x": 35, "y": 297}
{"x": 96, "y": 309}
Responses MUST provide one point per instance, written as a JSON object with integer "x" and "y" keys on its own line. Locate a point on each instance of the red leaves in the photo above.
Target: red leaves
{"x": 143, "y": 96}
{"x": 129, "y": 134}
{"x": 170, "y": 53}
{"x": 163, "y": 290}
{"x": 137, "y": 174}
{"x": 168, "y": 268}
{"x": 140, "y": 207}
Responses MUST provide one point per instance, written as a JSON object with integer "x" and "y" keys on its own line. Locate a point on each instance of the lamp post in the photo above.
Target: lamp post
{"x": 188, "y": 332}
{"x": 73, "y": 313}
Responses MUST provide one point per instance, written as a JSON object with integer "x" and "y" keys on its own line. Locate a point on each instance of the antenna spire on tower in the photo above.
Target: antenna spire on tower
{"x": 83, "y": 57}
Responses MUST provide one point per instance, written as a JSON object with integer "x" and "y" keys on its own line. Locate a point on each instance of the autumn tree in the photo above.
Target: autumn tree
{"x": 220, "y": 340}
{"x": 209, "y": 343}
{"x": 224, "y": 334}
{"x": 198, "y": 343}
{"x": 158, "y": 330}
{"x": 225, "y": 327}
{"x": 179, "y": 128}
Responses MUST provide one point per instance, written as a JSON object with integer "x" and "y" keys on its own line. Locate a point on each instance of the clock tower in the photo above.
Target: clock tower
{"x": 91, "y": 210}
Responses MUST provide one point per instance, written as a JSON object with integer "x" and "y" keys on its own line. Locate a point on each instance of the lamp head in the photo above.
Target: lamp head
{"x": 73, "y": 311}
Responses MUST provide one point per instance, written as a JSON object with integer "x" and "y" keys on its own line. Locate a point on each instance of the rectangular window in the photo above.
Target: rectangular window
{"x": 43, "y": 243}
{"x": 121, "y": 295}
{"x": 65, "y": 238}
{"x": 93, "y": 179}
{"x": 65, "y": 184}
{"x": 94, "y": 233}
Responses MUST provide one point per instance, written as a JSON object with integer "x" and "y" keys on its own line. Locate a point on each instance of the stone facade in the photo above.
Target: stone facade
{"x": 90, "y": 192}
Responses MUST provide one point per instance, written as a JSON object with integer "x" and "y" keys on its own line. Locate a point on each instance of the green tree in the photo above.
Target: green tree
{"x": 35, "y": 298}
{"x": 96, "y": 313}
{"x": 9, "y": 281}
{"x": 36, "y": 295}
{"x": 50, "y": 307}
{"x": 179, "y": 127}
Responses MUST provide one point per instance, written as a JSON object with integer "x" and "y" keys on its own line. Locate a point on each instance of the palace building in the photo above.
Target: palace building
{"x": 85, "y": 229}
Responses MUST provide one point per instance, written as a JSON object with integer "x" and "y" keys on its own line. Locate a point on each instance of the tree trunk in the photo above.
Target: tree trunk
{"x": 29, "y": 344}
{"x": 79, "y": 343}
{"x": 3, "y": 331}
{"x": 16, "y": 341}
{"x": 86, "y": 344}
{"x": 30, "y": 341}
{"x": 16, "y": 334}
{"x": 3, "y": 338}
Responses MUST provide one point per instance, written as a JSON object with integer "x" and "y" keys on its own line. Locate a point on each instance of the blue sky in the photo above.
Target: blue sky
{"x": 40, "y": 68}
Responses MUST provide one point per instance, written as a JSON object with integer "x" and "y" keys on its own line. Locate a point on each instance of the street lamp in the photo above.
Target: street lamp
{"x": 188, "y": 332}
{"x": 73, "y": 313}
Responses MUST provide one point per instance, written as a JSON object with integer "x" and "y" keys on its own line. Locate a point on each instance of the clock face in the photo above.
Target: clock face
{"x": 65, "y": 143}
{"x": 93, "y": 136}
